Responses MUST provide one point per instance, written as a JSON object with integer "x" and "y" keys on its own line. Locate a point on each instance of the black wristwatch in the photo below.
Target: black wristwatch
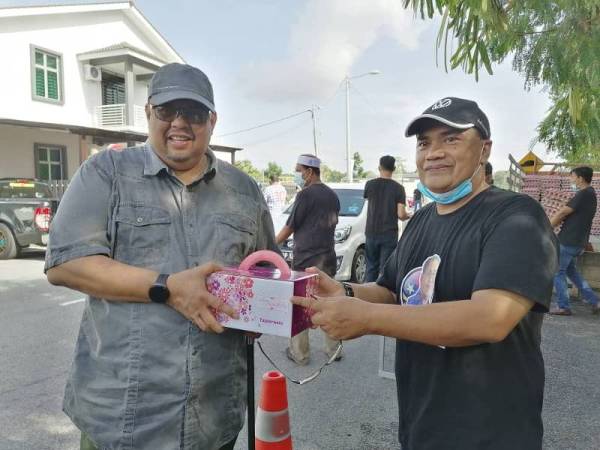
{"x": 348, "y": 289}
{"x": 158, "y": 292}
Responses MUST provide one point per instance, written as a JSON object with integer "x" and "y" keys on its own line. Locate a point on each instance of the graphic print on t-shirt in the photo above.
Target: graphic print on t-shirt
{"x": 418, "y": 285}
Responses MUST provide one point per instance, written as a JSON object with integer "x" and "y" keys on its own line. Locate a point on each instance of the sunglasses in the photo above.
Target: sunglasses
{"x": 314, "y": 375}
{"x": 168, "y": 113}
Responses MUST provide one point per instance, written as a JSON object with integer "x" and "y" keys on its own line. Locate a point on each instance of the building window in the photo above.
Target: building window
{"x": 46, "y": 68}
{"x": 50, "y": 162}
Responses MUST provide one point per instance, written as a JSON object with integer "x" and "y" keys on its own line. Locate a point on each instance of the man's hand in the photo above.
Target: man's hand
{"x": 190, "y": 297}
{"x": 326, "y": 286}
{"x": 339, "y": 317}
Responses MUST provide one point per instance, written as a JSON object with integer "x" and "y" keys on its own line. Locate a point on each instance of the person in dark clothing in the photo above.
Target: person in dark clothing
{"x": 469, "y": 368}
{"x": 313, "y": 220}
{"x": 418, "y": 200}
{"x": 387, "y": 201}
{"x": 489, "y": 173}
{"x": 576, "y": 218}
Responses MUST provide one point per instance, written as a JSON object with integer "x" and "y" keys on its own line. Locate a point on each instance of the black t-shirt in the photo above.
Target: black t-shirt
{"x": 384, "y": 195}
{"x": 313, "y": 219}
{"x": 576, "y": 228}
{"x": 486, "y": 396}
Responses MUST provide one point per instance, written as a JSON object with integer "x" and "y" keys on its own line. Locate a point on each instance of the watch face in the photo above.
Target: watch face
{"x": 158, "y": 293}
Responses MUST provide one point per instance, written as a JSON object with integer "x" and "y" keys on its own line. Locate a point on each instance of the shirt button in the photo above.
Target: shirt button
{"x": 139, "y": 220}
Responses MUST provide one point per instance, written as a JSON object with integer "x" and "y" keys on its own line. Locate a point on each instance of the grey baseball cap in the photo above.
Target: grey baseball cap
{"x": 180, "y": 82}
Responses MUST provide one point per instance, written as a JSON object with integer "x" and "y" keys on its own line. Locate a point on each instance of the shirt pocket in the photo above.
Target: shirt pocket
{"x": 142, "y": 235}
{"x": 236, "y": 238}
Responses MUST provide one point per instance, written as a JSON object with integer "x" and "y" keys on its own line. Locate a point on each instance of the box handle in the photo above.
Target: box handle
{"x": 267, "y": 256}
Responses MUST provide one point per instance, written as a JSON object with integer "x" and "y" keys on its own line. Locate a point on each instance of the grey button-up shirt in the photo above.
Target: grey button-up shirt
{"x": 143, "y": 376}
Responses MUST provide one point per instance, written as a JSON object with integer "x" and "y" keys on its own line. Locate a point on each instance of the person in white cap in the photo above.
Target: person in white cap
{"x": 312, "y": 221}
{"x": 469, "y": 368}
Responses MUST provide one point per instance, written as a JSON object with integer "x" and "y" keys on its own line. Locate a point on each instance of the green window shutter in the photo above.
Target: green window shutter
{"x": 51, "y": 61}
{"x": 40, "y": 83}
{"x": 39, "y": 58}
{"x": 52, "y": 85}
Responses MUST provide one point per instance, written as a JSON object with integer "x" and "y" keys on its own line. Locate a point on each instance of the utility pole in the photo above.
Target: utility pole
{"x": 349, "y": 171}
{"x": 349, "y": 174}
{"x": 313, "y": 113}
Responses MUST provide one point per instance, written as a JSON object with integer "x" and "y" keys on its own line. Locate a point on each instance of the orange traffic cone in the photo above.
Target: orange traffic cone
{"x": 272, "y": 431}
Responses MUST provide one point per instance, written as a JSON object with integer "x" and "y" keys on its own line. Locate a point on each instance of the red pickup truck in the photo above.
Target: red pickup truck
{"x": 26, "y": 208}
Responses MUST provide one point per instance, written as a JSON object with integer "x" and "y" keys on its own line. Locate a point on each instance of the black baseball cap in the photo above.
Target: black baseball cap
{"x": 180, "y": 82}
{"x": 454, "y": 112}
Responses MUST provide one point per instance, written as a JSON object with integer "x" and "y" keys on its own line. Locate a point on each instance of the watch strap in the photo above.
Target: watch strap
{"x": 162, "y": 279}
{"x": 348, "y": 290}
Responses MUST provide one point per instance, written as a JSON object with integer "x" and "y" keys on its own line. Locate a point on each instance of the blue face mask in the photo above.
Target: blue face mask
{"x": 298, "y": 179}
{"x": 452, "y": 196}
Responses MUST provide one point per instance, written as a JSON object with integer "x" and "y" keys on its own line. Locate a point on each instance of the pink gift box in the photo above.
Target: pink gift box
{"x": 262, "y": 296}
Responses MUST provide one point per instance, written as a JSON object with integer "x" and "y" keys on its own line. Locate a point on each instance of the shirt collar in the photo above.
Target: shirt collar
{"x": 153, "y": 164}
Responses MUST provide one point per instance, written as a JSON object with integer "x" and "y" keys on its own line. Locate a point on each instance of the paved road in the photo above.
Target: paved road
{"x": 348, "y": 407}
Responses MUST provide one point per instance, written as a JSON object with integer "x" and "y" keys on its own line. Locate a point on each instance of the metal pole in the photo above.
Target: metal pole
{"x": 314, "y": 121}
{"x": 349, "y": 175}
{"x": 250, "y": 388}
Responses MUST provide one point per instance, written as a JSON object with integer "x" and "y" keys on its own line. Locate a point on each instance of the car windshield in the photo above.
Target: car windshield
{"x": 24, "y": 189}
{"x": 351, "y": 202}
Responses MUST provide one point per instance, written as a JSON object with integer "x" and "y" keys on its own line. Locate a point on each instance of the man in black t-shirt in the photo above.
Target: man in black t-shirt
{"x": 463, "y": 294}
{"x": 387, "y": 201}
{"x": 576, "y": 218}
{"x": 313, "y": 220}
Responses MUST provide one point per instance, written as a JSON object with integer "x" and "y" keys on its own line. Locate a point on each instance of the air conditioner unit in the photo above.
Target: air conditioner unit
{"x": 92, "y": 73}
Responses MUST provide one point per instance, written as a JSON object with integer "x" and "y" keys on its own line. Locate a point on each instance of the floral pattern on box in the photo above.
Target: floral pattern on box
{"x": 234, "y": 290}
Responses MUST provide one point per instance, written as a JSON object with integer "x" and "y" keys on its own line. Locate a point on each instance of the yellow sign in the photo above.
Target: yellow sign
{"x": 530, "y": 163}
{"x": 25, "y": 185}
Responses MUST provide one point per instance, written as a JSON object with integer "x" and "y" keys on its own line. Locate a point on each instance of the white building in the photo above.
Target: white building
{"x": 74, "y": 80}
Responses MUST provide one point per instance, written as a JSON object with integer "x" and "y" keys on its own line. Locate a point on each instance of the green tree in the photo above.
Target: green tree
{"x": 329, "y": 175}
{"x": 555, "y": 44}
{"x": 273, "y": 169}
{"x": 247, "y": 167}
{"x": 358, "y": 170}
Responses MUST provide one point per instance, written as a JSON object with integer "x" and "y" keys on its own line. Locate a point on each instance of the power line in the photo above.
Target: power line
{"x": 264, "y": 124}
{"x": 274, "y": 136}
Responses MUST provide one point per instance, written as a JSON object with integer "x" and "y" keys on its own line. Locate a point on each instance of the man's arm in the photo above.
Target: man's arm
{"x": 402, "y": 214}
{"x": 561, "y": 215}
{"x": 102, "y": 277}
{"x": 488, "y": 317}
{"x": 283, "y": 234}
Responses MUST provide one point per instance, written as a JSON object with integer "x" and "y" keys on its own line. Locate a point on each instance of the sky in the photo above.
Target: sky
{"x": 269, "y": 59}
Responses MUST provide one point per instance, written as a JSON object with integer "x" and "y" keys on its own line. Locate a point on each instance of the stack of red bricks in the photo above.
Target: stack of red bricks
{"x": 554, "y": 191}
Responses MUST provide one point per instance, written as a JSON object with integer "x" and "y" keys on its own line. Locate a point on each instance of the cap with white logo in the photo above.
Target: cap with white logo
{"x": 454, "y": 112}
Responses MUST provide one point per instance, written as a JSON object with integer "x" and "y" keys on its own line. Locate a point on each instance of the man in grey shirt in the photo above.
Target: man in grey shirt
{"x": 139, "y": 231}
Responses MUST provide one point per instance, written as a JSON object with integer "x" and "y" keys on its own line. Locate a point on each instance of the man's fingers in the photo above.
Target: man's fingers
{"x": 210, "y": 321}
{"x": 220, "y": 306}
{"x": 208, "y": 268}
{"x": 313, "y": 270}
{"x": 198, "y": 321}
{"x": 309, "y": 303}
{"x": 317, "y": 319}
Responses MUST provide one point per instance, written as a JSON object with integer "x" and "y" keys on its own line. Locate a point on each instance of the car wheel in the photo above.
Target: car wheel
{"x": 8, "y": 245}
{"x": 359, "y": 266}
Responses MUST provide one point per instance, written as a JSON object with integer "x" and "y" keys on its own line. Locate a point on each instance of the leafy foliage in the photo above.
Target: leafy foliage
{"x": 273, "y": 169}
{"x": 247, "y": 167}
{"x": 554, "y": 43}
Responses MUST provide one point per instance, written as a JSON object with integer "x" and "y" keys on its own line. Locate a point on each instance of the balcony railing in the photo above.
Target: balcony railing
{"x": 115, "y": 117}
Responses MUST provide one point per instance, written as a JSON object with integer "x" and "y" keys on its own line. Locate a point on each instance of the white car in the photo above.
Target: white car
{"x": 349, "y": 233}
